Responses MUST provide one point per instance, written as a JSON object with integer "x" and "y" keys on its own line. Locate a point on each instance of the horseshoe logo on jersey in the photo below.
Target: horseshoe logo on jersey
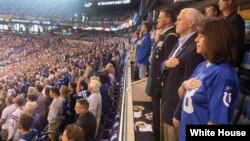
{"x": 227, "y": 98}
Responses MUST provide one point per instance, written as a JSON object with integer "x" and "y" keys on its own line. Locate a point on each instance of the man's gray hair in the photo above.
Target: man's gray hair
{"x": 194, "y": 15}
{"x": 31, "y": 106}
{"x": 95, "y": 85}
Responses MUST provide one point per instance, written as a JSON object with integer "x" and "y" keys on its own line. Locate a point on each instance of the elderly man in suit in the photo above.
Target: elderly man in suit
{"x": 178, "y": 67}
{"x": 163, "y": 47}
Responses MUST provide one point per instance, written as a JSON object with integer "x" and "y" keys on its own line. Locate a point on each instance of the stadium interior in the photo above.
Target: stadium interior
{"x": 55, "y": 53}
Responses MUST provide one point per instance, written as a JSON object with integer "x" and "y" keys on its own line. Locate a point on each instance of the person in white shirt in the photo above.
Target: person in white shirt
{"x": 7, "y": 112}
{"x": 55, "y": 115}
{"x": 13, "y": 132}
{"x": 95, "y": 99}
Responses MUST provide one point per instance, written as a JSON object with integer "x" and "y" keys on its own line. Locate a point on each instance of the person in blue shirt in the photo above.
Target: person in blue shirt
{"x": 104, "y": 91}
{"x": 210, "y": 95}
{"x": 142, "y": 56}
{"x": 25, "y": 123}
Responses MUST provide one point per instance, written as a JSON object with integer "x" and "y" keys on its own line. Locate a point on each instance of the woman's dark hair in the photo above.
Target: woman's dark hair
{"x": 219, "y": 43}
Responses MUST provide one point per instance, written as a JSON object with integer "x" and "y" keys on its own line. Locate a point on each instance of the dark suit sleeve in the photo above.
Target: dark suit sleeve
{"x": 178, "y": 110}
{"x": 239, "y": 28}
{"x": 190, "y": 64}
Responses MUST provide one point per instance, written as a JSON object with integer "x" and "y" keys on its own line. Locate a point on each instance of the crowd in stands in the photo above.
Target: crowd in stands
{"x": 111, "y": 19}
{"x": 60, "y": 10}
{"x": 49, "y": 83}
{"x": 64, "y": 86}
{"x": 92, "y": 36}
{"x": 56, "y": 10}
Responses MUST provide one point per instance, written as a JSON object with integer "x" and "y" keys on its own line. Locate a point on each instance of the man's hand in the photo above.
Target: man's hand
{"x": 171, "y": 62}
{"x": 176, "y": 122}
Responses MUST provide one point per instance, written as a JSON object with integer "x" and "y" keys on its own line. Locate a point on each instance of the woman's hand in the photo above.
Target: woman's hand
{"x": 188, "y": 85}
{"x": 191, "y": 84}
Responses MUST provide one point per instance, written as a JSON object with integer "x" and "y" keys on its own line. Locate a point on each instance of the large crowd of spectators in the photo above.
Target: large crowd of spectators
{"x": 39, "y": 9}
{"x": 57, "y": 10}
{"x": 45, "y": 76}
{"x": 109, "y": 19}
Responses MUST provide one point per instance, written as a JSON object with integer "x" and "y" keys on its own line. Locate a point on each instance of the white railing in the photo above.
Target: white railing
{"x": 126, "y": 130}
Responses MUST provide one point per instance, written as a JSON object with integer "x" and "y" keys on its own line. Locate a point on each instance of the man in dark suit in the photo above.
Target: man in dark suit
{"x": 178, "y": 67}
{"x": 162, "y": 48}
{"x": 86, "y": 120}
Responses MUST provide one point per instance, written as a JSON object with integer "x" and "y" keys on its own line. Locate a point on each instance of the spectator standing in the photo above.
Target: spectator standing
{"x": 142, "y": 56}
{"x": 13, "y": 132}
{"x": 178, "y": 67}
{"x": 73, "y": 132}
{"x": 55, "y": 115}
{"x": 212, "y": 11}
{"x": 211, "y": 93}
{"x": 163, "y": 47}
{"x": 27, "y": 133}
{"x": 30, "y": 108}
{"x": 238, "y": 23}
{"x": 95, "y": 100}
{"x": 5, "y": 117}
{"x": 86, "y": 119}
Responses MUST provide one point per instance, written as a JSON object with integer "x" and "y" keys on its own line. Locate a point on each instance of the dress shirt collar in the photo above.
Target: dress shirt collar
{"x": 183, "y": 39}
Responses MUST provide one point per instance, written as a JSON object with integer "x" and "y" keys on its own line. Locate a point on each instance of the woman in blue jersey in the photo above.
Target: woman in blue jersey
{"x": 210, "y": 95}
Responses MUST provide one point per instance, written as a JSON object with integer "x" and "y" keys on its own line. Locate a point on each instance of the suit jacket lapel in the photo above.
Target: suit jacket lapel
{"x": 184, "y": 46}
{"x": 174, "y": 48}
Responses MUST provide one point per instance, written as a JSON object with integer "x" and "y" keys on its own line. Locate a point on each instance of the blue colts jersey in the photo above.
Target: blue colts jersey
{"x": 215, "y": 100}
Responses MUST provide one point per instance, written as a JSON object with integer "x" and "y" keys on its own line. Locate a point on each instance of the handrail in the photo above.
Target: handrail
{"x": 126, "y": 129}
{"x": 122, "y": 131}
{"x": 129, "y": 106}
